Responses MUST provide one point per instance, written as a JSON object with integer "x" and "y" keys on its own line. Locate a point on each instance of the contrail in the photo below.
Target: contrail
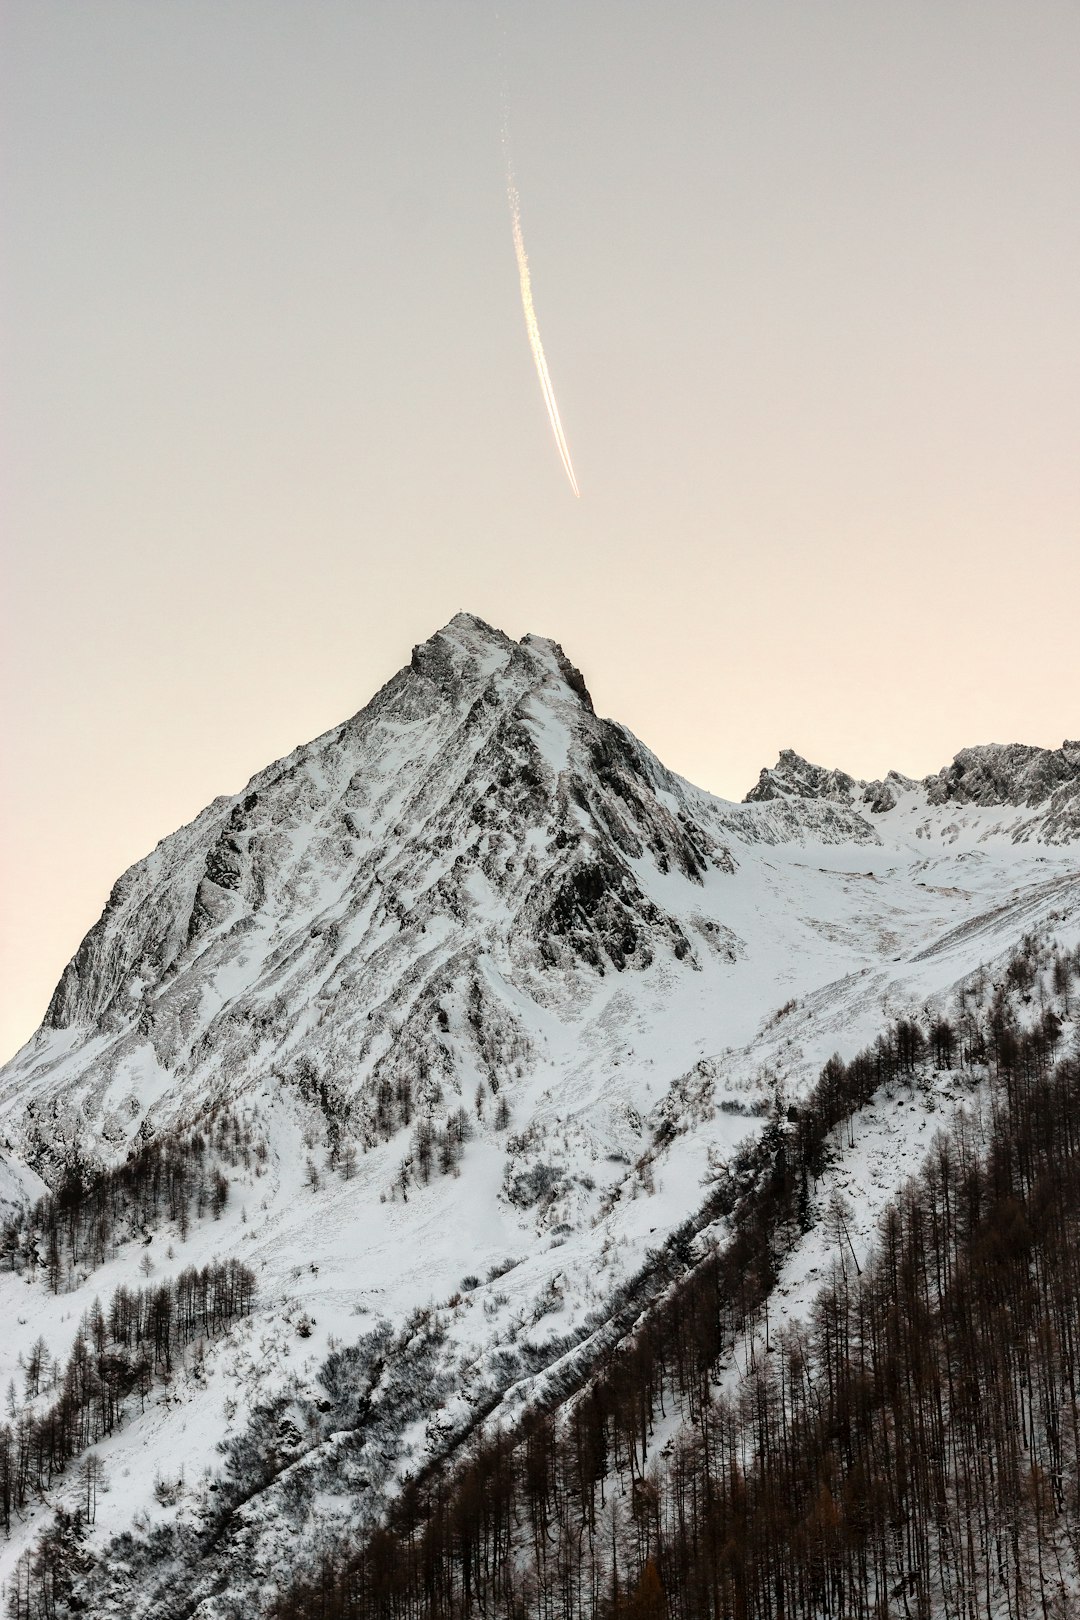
{"x": 531, "y": 325}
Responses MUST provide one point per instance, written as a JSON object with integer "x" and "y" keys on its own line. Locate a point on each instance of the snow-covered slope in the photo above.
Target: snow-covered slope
{"x": 478, "y": 904}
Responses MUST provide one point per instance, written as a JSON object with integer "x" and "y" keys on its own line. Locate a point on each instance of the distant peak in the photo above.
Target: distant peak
{"x": 1007, "y": 773}
{"x": 991, "y": 774}
{"x": 795, "y": 777}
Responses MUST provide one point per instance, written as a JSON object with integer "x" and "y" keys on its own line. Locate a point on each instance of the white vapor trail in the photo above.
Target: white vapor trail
{"x": 533, "y": 329}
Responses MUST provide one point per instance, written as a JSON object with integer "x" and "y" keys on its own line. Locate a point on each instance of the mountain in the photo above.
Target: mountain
{"x": 469, "y": 1002}
{"x": 1044, "y": 782}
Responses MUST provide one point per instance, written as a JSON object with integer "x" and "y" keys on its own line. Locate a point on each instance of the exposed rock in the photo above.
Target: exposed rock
{"x": 1009, "y": 775}
{"x": 793, "y": 776}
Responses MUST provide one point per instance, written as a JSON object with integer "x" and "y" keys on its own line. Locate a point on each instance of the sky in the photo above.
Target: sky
{"x": 808, "y": 279}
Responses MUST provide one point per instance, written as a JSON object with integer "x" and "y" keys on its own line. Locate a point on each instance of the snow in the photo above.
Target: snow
{"x": 400, "y": 909}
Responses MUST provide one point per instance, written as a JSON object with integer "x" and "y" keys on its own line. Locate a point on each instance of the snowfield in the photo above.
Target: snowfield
{"x": 477, "y": 904}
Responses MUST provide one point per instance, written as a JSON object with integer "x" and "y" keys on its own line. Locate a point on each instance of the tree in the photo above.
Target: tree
{"x": 34, "y": 1368}
{"x": 838, "y": 1215}
{"x": 1062, "y": 981}
{"x": 91, "y": 1479}
{"x": 943, "y": 1038}
{"x": 648, "y": 1601}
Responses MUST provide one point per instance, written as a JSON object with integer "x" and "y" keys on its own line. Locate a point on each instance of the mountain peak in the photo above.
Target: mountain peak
{"x": 795, "y": 777}
{"x": 1007, "y": 773}
{"x": 470, "y": 628}
{"x": 465, "y": 647}
{"x": 1018, "y": 776}
{"x": 468, "y": 649}
{"x": 477, "y": 800}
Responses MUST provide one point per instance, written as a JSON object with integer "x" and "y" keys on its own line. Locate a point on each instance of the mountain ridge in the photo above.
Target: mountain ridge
{"x": 988, "y": 775}
{"x": 477, "y": 795}
{"x": 1005, "y": 775}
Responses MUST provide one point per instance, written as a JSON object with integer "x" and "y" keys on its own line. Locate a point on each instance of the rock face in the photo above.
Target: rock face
{"x": 1006, "y": 775}
{"x": 793, "y": 776}
{"x": 1044, "y": 780}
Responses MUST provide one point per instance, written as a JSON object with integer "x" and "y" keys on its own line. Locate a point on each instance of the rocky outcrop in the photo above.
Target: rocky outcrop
{"x": 794, "y": 777}
{"x": 1006, "y": 775}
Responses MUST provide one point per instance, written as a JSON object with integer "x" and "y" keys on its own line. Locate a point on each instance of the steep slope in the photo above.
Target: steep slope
{"x": 810, "y": 1423}
{"x": 491, "y": 994}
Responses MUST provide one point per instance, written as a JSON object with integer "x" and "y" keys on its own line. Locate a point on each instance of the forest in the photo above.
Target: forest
{"x": 120, "y": 1350}
{"x": 175, "y": 1177}
{"x": 911, "y": 1450}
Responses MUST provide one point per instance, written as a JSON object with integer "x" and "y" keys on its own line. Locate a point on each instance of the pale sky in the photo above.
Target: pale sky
{"x": 808, "y": 277}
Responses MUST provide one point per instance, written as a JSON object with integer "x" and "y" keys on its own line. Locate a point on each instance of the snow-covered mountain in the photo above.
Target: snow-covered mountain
{"x": 1015, "y": 777}
{"x": 492, "y": 994}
